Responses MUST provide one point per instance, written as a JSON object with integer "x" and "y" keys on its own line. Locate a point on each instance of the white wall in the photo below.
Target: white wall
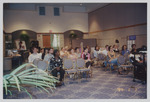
{"x": 21, "y": 19}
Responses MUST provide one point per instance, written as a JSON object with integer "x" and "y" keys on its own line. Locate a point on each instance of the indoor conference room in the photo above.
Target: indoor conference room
{"x": 74, "y": 50}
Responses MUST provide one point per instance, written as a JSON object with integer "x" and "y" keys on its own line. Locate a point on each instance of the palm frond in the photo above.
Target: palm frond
{"x": 29, "y": 77}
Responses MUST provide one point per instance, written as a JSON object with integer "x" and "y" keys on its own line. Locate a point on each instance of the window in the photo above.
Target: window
{"x": 131, "y": 40}
{"x": 56, "y": 11}
{"x": 41, "y": 10}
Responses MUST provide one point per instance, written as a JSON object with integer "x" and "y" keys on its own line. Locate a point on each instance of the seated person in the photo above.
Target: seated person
{"x": 96, "y": 51}
{"x": 45, "y": 53}
{"x": 34, "y": 55}
{"x": 86, "y": 56}
{"x": 133, "y": 48}
{"x": 104, "y": 51}
{"x": 124, "y": 50}
{"x": 56, "y": 65}
{"x": 115, "y": 48}
{"x": 63, "y": 53}
{"x": 49, "y": 56}
{"x": 77, "y": 52}
{"x": 112, "y": 59}
{"x": 41, "y": 52}
{"x": 72, "y": 55}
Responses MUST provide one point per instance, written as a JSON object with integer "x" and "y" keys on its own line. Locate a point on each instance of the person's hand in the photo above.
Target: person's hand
{"x": 110, "y": 60}
{"x": 57, "y": 68}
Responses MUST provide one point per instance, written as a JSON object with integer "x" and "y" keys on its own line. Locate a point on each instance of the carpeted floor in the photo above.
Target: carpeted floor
{"x": 103, "y": 85}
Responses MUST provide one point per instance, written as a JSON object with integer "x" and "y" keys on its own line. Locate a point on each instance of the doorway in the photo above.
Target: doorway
{"x": 46, "y": 41}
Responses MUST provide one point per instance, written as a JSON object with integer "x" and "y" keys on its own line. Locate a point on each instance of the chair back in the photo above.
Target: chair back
{"x": 35, "y": 61}
{"x": 126, "y": 55}
{"x": 68, "y": 63}
{"x": 92, "y": 55}
{"x": 43, "y": 65}
{"x": 80, "y": 63}
{"x": 101, "y": 57}
{"x": 121, "y": 60}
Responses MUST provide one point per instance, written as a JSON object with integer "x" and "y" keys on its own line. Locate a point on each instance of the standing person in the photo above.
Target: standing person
{"x": 34, "y": 55}
{"x": 86, "y": 56}
{"x": 133, "y": 48}
{"x": 124, "y": 50}
{"x": 77, "y": 51}
{"x": 21, "y": 46}
{"x": 56, "y": 65}
{"x": 50, "y": 55}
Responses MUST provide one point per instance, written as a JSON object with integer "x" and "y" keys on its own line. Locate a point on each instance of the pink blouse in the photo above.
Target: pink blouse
{"x": 87, "y": 55}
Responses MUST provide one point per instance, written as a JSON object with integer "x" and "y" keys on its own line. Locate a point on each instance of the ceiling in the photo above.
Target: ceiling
{"x": 88, "y": 6}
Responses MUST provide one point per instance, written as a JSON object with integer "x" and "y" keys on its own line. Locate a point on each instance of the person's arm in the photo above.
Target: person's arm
{"x": 109, "y": 55}
{"x": 61, "y": 63}
{"x": 95, "y": 53}
{"x": 114, "y": 54}
{"x": 82, "y": 55}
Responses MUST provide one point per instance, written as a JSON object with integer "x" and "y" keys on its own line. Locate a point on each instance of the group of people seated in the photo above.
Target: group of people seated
{"x": 55, "y": 57}
{"x": 113, "y": 52}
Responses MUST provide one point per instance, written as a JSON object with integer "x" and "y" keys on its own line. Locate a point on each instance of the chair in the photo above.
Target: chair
{"x": 122, "y": 64}
{"x": 126, "y": 55}
{"x": 95, "y": 60}
{"x": 81, "y": 67}
{"x": 43, "y": 65}
{"x": 69, "y": 67}
{"x": 35, "y": 61}
{"x": 101, "y": 58}
{"x": 108, "y": 63}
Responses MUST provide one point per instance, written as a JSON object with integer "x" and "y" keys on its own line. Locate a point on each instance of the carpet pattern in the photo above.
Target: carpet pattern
{"x": 103, "y": 85}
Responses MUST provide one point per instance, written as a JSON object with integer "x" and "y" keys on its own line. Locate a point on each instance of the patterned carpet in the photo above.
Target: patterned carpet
{"x": 103, "y": 85}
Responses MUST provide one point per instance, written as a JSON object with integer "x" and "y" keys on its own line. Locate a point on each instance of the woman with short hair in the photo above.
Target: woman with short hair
{"x": 56, "y": 65}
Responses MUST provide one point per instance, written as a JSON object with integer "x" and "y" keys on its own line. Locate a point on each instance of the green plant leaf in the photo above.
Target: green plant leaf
{"x": 19, "y": 68}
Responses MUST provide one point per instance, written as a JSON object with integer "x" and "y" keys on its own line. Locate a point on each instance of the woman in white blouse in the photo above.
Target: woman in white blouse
{"x": 34, "y": 55}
